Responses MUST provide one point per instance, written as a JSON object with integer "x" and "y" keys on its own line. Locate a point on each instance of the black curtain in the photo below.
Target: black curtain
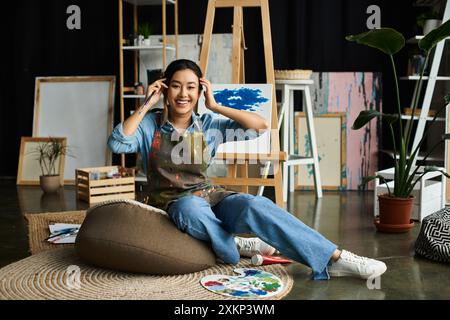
{"x": 40, "y": 44}
{"x": 308, "y": 34}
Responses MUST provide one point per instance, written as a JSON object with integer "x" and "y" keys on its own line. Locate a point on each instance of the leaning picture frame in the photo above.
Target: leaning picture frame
{"x": 28, "y": 170}
{"x": 331, "y": 139}
{"x": 79, "y": 108}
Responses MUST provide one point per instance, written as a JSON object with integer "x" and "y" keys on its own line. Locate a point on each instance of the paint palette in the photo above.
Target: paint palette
{"x": 250, "y": 284}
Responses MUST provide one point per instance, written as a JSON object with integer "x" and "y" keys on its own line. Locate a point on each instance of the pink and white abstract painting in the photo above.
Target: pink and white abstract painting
{"x": 351, "y": 93}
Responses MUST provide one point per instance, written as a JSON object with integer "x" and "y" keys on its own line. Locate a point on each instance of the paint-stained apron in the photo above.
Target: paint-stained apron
{"x": 177, "y": 167}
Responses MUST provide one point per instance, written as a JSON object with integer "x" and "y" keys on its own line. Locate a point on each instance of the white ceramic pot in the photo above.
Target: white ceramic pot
{"x": 147, "y": 42}
{"x": 430, "y": 25}
{"x": 140, "y": 41}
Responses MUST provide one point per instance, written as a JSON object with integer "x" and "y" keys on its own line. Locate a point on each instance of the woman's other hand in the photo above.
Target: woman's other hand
{"x": 210, "y": 102}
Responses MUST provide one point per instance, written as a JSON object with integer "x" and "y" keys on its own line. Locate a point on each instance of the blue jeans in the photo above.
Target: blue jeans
{"x": 245, "y": 213}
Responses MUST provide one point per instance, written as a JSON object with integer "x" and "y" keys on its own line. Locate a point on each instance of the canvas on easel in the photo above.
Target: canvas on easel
{"x": 274, "y": 156}
{"x": 255, "y": 98}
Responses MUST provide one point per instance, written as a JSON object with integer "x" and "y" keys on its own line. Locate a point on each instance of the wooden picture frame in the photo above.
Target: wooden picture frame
{"x": 331, "y": 139}
{"x": 28, "y": 170}
{"x": 81, "y": 109}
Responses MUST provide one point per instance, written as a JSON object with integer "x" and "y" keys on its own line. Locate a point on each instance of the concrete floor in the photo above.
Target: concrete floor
{"x": 344, "y": 218}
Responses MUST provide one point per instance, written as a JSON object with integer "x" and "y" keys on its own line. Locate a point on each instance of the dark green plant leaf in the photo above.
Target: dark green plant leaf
{"x": 436, "y": 169}
{"x": 367, "y": 179}
{"x": 389, "y": 118}
{"x": 387, "y": 40}
{"x": 432, "y": 38}
{"x": 447, "y": 98}
{"x": 365, "y": 116}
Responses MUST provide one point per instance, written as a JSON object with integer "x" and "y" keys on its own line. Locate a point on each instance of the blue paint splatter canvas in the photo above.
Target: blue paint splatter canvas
{"x": 255, "y": 98}
{"x": 250, "y": 284}
{"x": 248, "y": 99}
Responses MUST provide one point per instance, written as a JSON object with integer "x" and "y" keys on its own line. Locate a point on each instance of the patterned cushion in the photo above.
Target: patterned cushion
{"x": 130, "y": 236}
{"x": 433, "y": 241}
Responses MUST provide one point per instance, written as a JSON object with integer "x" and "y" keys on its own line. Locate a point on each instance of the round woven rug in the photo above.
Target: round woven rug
{"x": 59, "y": 274}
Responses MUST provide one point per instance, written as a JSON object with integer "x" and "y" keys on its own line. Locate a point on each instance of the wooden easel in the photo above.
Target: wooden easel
{"x": 238, "y": 159}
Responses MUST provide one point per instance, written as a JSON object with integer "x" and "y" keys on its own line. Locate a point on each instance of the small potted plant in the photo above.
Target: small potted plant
{"x": 145, "y": 30}
{"x": 47, "y": 154}
{"x": 406, "y": 174}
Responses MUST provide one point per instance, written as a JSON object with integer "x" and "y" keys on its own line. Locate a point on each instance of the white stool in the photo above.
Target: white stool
{"x": 286, "y": 120}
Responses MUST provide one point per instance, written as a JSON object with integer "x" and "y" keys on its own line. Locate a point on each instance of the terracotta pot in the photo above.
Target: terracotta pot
{"x": 50, "y": 183}
{"x": 395, "y": 214}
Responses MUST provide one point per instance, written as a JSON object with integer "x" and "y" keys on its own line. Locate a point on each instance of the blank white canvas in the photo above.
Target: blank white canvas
{"x": 80, "y": 112}
{"x": 260, "y": 145}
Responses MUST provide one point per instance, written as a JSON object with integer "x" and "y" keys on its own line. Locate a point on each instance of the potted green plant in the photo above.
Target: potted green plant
{"x": 145, "y": 30}
{"x": 406, "y": 174}
{"x": 47, "y": 154}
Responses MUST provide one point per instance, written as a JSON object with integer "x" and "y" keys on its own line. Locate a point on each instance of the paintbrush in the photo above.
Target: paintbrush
{"x": 149, "y": 97}
{"x": 145, "y": 102}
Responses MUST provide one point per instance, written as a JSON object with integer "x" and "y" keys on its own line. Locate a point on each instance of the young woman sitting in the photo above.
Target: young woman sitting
{"x": 178, "y": 183}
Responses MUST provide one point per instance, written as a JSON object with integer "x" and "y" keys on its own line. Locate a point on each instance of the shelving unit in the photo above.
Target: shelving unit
{"x": 416, "y": 39}
{"x": 169, "y": 43}
{"x": 408, "y": 117}
{"x": 158, "y": 47}
{"x": 430, "y": 83}
{"x": 425, "y": 78}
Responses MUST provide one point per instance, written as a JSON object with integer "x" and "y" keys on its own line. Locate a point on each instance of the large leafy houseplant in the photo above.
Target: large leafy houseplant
{"x": 406, "y": 174}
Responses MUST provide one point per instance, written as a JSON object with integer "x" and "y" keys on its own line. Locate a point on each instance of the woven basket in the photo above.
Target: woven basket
{"x": 297, "y": 74}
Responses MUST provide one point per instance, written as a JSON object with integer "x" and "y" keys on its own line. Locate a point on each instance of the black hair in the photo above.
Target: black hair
{"x": 182, "y": 64}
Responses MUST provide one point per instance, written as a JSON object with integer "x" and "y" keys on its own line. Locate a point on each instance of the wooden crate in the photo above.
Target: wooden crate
{"x": 95, "y": 191}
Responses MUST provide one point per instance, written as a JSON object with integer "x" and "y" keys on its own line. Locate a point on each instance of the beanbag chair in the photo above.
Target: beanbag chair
{"x": 433, "y": 241}
{"x": 130, "y": 236}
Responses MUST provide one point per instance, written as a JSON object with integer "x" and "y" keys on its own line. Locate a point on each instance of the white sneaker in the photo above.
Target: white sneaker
{"x": 248, "y": 247}
{"x": 349, "y": 264}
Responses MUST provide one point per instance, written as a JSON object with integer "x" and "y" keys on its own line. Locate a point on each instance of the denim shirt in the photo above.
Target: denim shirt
{"x": 216, "y": 129}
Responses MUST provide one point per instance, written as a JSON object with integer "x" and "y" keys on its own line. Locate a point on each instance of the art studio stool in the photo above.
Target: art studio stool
{"x": 286, "y": 126}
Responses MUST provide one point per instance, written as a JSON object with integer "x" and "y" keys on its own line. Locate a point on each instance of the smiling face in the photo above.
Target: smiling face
{"x": 183, "y": 93}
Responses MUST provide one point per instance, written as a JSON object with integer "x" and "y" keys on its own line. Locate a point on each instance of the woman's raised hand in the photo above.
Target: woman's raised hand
{"x": 210, "y": 102}
{"x": 154, "y": 92}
